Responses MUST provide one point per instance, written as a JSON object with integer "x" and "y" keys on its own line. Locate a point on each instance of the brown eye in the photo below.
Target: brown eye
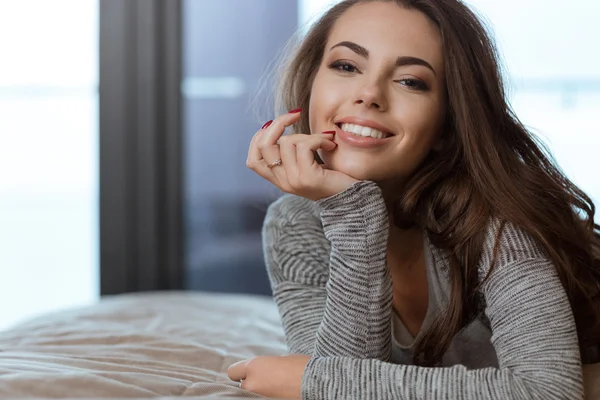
{"x": 343, "y": 67}
{"x": 414, "y": 84}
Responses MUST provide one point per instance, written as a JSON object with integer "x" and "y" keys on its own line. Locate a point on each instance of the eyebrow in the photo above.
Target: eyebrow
{"x": 400, "y": 61}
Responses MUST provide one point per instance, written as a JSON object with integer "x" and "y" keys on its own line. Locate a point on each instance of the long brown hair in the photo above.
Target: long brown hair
{"x": 490, "y": 167}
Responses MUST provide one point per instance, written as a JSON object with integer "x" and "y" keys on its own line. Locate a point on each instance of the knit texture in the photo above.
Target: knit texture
{"x": 327, "y": 265}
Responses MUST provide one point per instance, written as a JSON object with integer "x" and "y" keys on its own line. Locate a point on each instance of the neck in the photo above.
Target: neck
{"x": 391, "y": 190}
{"x": 405, "y": 246}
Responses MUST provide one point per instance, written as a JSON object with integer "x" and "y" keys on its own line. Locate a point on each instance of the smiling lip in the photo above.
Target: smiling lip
{"x": 360, "y": 141}
{"x": 364, "y": 122}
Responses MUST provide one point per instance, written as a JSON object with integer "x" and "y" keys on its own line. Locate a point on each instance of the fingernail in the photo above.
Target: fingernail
{"x": 296, "y": 111}
{"x": 268, "y": 124}
{"x": 329, "y": 133}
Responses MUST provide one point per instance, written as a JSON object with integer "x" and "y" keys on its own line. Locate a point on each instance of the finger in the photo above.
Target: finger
{"x": 253, "y": 151}
{"x": 277, "y": 128}
{"x": 305, "y": 150}
{"x": 287, "y": 149}
{"x": 313, "y": 139}
{"x": 267, "y": 124}
{"x": 288, "y": 152}
{"x": 256, "y": 162}
{"x": 255, "y": 159}
{"x": 268, "y": 142}
{"x": 238, "y": 371}
{"x": 272, "y": 154}
{"x": 269, "y": 149}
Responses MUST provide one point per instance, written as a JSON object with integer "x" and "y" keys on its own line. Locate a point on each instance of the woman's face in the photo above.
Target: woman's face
{"x": 382, "y": 68}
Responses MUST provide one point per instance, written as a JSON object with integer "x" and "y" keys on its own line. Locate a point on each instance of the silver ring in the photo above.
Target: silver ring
{"x": 275, "y": 163}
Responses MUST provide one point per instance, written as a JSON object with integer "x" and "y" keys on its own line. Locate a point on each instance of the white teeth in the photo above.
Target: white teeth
{"x": 363, "y": 131}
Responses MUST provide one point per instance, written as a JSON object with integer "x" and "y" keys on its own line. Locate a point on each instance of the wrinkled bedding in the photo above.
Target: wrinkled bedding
{"x": 140, "y": 346}
{"x": 148, "y": 345}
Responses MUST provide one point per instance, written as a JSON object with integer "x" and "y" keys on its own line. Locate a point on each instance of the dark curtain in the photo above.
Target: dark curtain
{"x": 140, "y": 151}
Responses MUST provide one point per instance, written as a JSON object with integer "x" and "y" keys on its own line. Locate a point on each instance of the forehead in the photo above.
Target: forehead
{"x": 385, "y": 28}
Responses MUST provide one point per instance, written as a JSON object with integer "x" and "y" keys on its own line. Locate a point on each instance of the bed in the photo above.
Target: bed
{"x": 163, "y": 345}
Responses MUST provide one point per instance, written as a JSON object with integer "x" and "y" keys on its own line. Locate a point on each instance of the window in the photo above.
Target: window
{"x": 554, "y": 77}
{"x": 554, "y": 74}
{"x": 48, "y": 156}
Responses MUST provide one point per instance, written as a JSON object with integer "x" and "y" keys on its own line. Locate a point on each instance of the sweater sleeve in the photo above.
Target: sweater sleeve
{"x": 338, "y": 303}
{"x": 533, "y": 333}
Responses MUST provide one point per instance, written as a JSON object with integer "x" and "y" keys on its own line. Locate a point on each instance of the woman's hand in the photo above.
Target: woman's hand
{"x": 288, "y": 161}
{"x": 278, "y": 377}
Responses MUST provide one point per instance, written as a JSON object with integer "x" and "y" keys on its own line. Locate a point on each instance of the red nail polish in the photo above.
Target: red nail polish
{"x": 296, "y": 111}
{"x": 329, "y": 132}
{"x": 268, "y": 124}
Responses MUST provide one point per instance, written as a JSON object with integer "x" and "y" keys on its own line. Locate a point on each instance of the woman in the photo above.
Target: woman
{"x": 434, "y": 250}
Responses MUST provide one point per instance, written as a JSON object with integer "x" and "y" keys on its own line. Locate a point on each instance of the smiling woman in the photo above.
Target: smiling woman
{"x": 393, "y": 92}
{"x": 436, "y": 251}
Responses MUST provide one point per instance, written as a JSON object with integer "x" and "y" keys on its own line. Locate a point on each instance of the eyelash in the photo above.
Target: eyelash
{"x": 417, "y": 84}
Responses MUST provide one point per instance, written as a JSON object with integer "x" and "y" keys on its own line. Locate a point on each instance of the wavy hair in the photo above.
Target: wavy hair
{"x": 491, "y": 167}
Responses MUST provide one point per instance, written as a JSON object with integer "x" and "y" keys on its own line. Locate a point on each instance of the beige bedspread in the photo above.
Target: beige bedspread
{"x": 140, "y": 345}
{"x": 147, "y": 345}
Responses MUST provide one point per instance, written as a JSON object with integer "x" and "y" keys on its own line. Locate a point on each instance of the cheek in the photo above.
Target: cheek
{"x": 325, "y": 100}
{"x": 315, "y": 102}
{"x": 421, "y": 121}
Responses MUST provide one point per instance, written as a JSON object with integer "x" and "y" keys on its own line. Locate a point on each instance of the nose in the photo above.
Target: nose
{"x": 371, "y": 95}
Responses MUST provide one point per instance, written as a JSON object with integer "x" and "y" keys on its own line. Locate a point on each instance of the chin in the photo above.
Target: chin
{"x": 362, "y": 171}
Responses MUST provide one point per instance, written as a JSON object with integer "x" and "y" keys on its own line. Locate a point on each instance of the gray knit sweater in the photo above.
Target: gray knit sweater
{"x": 327, "y": 265}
